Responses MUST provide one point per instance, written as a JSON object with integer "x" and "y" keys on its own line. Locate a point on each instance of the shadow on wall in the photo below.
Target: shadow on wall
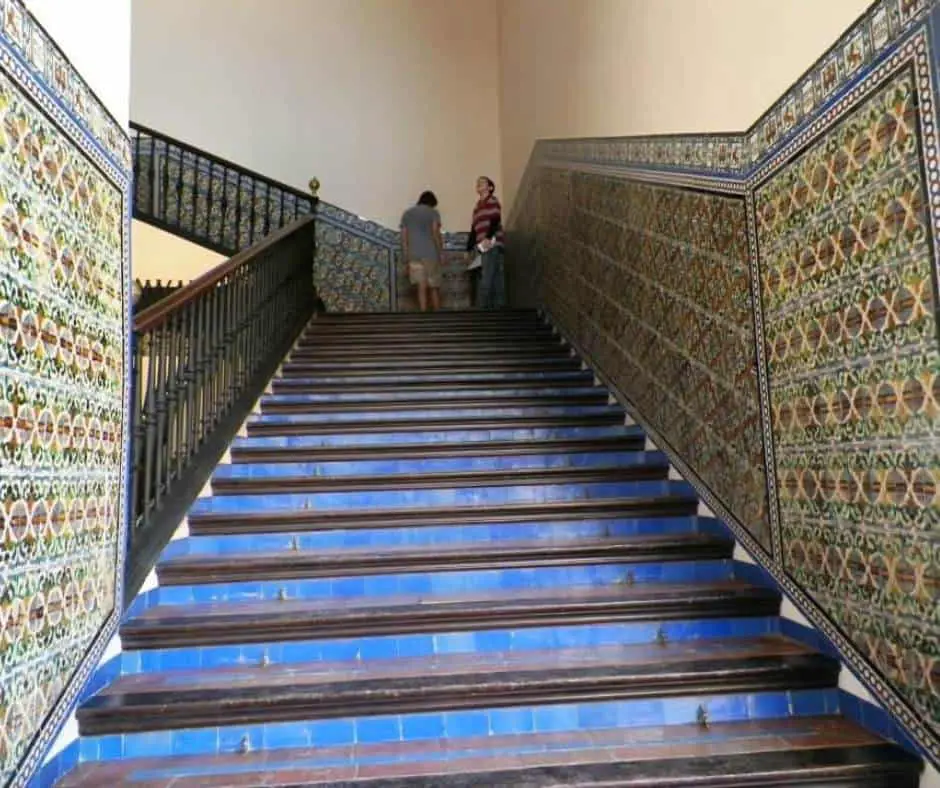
{"x": 767, "y": 303}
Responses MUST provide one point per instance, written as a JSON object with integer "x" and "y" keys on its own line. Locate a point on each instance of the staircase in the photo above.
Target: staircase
{"x": 440, "y": 558}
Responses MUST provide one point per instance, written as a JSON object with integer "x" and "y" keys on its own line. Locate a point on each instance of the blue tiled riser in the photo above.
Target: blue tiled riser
{"x": 57, "y": 766}
{"x": 485, "y": 641}
{"x": 485, "y": 722}
{"x": 430, "y": 413}
{"x": 877, "y": 720}
{"x": 476, "y": 496}
{"x": 440, "y": 535}
{"x": 68, "y": 757}
{"x": 404, "y": 394}
{"x": 633, "y": 459}
{"x": 443, "y": 583}
{"x": 432, "y": 436}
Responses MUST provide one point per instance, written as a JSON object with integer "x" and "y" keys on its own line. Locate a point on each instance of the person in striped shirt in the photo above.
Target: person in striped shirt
{"x": 486, "y": 238}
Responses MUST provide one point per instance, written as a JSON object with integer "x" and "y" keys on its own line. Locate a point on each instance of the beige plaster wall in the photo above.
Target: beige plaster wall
{"x": 378, "y": 98}
{"x": 575, "y": 68}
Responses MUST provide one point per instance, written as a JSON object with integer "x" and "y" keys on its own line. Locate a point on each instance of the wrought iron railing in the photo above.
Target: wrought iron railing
{"x": 207, "y": 199}
{"x": 201, "y": 359}
{"x": 225, "y": 207}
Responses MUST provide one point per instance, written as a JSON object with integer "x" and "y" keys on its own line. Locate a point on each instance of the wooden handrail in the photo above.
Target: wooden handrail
{"x": 164, "y": 309}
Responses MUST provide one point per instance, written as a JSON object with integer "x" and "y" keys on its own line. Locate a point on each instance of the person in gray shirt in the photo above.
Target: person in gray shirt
{"x": 423, "y": 248}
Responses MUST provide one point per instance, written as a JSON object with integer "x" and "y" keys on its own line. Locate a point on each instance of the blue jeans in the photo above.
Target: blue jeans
{"x": 491, "y": 292}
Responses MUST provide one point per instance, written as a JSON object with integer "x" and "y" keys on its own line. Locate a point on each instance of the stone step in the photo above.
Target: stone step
{"x": 295, "y": 478}
{"x": 820, "y": 751}
{"x": 262, "y": 694}
{"x": 503, "y": 554}
{"x": 324, "y": 403}
{"x": 205, "y": 624}
{"x": 482, "y": 420}
{"x": 267, "y": 450}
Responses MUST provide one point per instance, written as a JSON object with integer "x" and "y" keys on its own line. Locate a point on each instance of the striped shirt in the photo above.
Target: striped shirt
{"x": 484, "y": 214}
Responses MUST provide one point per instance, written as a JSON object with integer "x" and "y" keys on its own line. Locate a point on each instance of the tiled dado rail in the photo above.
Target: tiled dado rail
{"x": 766, "y": 303}
{"x": 225, "y": 207}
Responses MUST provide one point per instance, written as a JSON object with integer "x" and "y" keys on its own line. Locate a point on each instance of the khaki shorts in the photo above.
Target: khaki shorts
{"x": 425, "y": 272}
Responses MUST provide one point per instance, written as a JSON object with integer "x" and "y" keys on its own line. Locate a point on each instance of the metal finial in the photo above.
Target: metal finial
{"x": 314, "y": 185}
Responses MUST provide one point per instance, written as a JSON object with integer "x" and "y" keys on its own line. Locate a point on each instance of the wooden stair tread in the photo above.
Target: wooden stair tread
{"x": 283, "y": 403}
{"x": 834, "y": 743}
{"x": 261, "y": 695}
{"x": 204, "y": 523}
{"x": 286, "y": 427}
{"x": 291, "y": 674}
{"x": 209, "y": 623}
{"x": 338, "y": 383}
{"x": 300, "y": 519}
{"x": 273, "y": 484}
{"x": 211, "y": 568}
{"x": 244, "y": 451}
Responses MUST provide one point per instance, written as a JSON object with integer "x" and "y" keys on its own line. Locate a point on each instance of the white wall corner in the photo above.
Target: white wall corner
{"x": 628, "y": 421}
{"x": 931, "y": 777}
{"x": 850, "y": 683}
{"x": 206, "y": 491}
{"x": 742, "y": 555}
{"x": 791, "y": 612}
{"x": 674, "y": 475}
{"x": 182, "y": 530}
{"x": 649, "y": 445}
{"x": 150, "y": 582}
{"x": 704, "y": 510}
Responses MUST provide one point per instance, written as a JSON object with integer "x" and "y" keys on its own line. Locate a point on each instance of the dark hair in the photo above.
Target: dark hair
{"x": 489, "y": 182}
{"x": 428, "y": 198}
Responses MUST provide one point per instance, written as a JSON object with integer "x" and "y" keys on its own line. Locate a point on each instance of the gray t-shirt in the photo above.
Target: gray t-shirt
{"x": 419, "y": 221}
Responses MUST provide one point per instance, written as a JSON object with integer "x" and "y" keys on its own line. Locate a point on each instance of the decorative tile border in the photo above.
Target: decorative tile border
{"x": 30, "y": 44}
{"x": 737, "y": 154}
{"x": 35, "y": 67}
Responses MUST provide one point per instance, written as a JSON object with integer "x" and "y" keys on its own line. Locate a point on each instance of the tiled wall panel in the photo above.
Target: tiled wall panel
{"x": 64, "y": 287}
{"x": 767, "y": 303}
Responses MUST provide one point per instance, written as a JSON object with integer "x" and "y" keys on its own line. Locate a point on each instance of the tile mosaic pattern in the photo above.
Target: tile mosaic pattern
{"x": 820, "y": 323}
{"x": 352, "y": 272}
{"x": 657, "y": 284}
{"x": 64, "y": 285}
{"x": 851, "y": 343}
